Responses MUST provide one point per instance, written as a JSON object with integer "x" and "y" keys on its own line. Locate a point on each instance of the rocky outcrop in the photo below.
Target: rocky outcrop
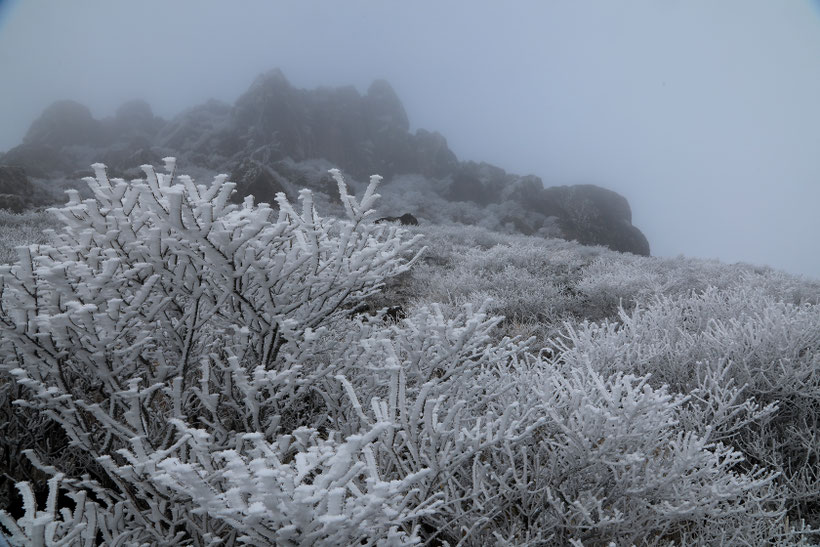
{"x": 258, "y": 180}
{"x": 202, "y": 132}
{"x": 480, "y": 183}
{"x": 407, "y": 219}
{"x": 274, "y": 130}
{"x": 362, "y": 134}
{"x": 595, "y": 216}
{"x": 585, "y": 213}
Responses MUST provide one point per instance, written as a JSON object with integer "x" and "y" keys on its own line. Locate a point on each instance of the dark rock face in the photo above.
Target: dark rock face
{"x": 201, "y": 131}
{"x": 273, "y": 128}
{"x": 15, "y": 188}
{"x": 432, "y": 155}
{"x": 480, "y": 183}
{"x": 383, "y": 109}
{"x": 124, "y": 161}
{"x": 272, "y": 112}
{"x": 254, "y": 178}
{"x": 361, "y": 134}
{"x": 596, "y": 216}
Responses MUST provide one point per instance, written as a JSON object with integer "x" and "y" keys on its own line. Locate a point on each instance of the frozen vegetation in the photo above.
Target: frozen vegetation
{"x": 177, "y": 369}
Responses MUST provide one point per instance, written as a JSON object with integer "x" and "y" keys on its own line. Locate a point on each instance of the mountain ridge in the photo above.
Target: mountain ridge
{"x": 262, "y": 139}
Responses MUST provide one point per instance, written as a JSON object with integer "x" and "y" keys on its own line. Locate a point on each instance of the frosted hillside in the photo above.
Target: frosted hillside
{"x": 181, "y": 369}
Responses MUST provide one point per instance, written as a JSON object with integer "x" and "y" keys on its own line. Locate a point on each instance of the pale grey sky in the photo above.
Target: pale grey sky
{"x": 704, "y": 114}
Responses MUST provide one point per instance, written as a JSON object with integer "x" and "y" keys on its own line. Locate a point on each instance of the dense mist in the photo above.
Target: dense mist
{"x": 704, "y": 116}
{"x": 433, "y": 273}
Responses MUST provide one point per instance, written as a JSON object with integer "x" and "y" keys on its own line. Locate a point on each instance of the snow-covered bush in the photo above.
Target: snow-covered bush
{"x": 53, "y": 525}
{"x": 530, "y": 281}
{"x": 160, "y": 303}
{"x": 628, "y": 474}
{"x": 614, "y": 280}
{"x": 216, "y": 382}
{"x": 750, "y": 362}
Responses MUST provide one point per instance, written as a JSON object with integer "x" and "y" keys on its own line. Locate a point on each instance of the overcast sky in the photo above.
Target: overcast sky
{"x": 704, "y": 114}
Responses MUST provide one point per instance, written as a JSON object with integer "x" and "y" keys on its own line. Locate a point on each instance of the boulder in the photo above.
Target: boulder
{"x": 407, "y": 219}
{"x": 595, "y": 216}
{"x": 480, "y": 183}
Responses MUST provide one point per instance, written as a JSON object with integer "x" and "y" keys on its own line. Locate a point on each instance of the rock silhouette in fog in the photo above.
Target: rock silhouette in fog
{"x": 273, "y": 126}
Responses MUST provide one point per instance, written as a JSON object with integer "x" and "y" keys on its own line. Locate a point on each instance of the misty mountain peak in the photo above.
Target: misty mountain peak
{"x": 273, "y": 127}
{"x": 135, "y": 111}
{"x": 271, "y": 79}
{"x": 385, "y": 105}
{"x": 64, "y": 123}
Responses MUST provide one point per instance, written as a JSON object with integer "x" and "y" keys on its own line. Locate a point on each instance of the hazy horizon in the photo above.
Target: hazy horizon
{"x": 704, "y": 116}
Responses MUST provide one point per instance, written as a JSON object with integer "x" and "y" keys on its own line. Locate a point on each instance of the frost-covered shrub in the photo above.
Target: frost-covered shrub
{"x": 54, "y": 525}
{"x": 610, "y": 282}
{"x": 750, "y": 363}
{"x": 162, "y": 303}
{"x": 615, "y": 279}
{"x": 514, "y": 292}
{"x": 520, "y": 451}
{"x": 530, "y": 281}
{"x": 301, "y": 490}
{"x": 624, "y": 471}
{"x": 216, "y": 378}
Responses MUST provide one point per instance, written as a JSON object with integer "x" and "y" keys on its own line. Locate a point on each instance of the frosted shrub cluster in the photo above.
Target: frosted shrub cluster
{"x": 216, "y": 384}
{"x": 539, "y": 284}
{"x": 161, "y": 308}
{"x": 750, "y": 362}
